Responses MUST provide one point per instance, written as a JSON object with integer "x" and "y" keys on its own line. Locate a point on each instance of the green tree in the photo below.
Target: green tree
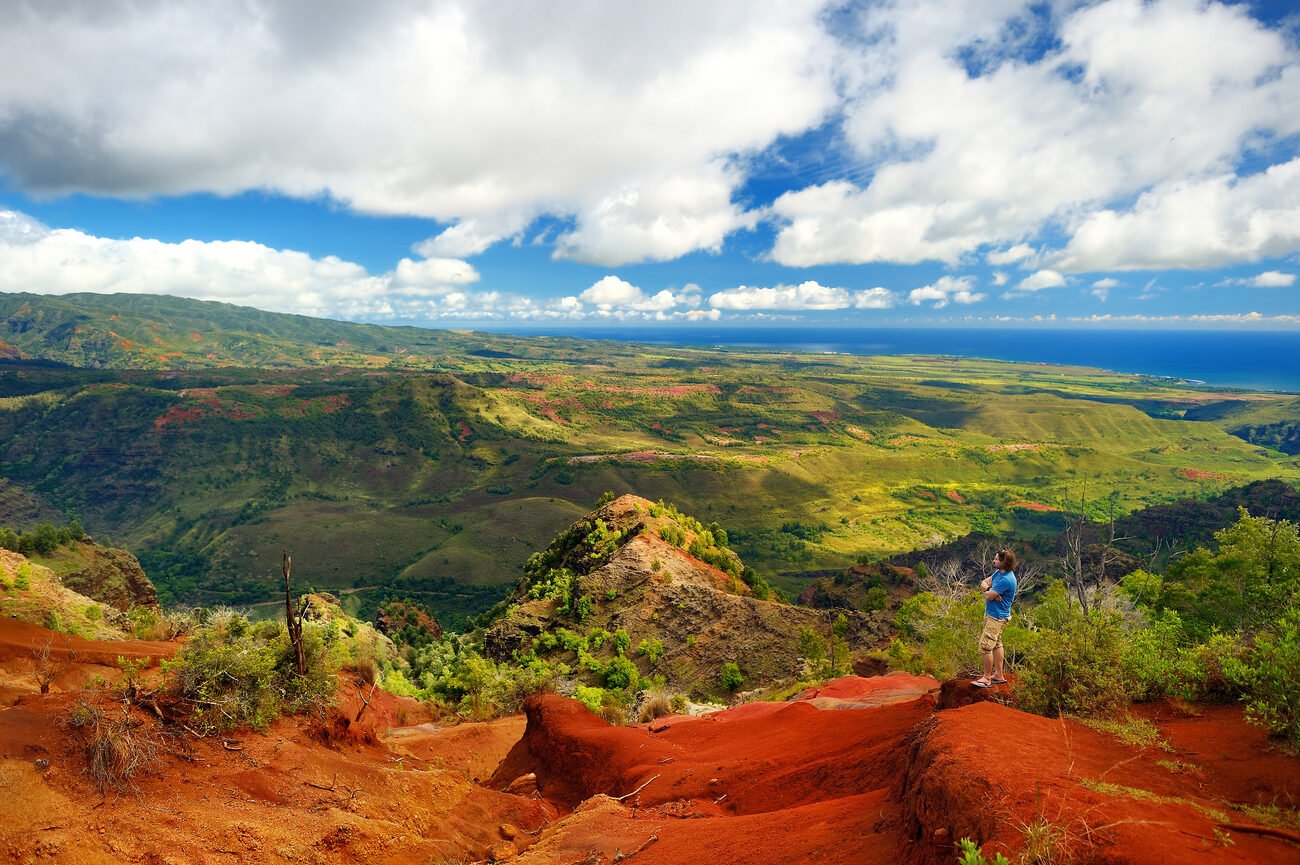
{"x": 730, "y": 676}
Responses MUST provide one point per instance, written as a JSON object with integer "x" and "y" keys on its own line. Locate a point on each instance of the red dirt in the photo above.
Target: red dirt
{"x": 297, "y": 793}
{"x": 1199, "y": 475}
{"x": 955, "y": 496}
{"x": 1032, "y": 506}
{"x": 90, "y": 658}
{"x": 856, "y": 770}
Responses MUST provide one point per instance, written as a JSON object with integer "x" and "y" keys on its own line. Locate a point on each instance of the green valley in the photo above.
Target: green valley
{"x": 429, "y": 464}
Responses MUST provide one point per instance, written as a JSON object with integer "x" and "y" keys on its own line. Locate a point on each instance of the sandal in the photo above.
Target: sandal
{"x": 998, "y": 680}
{"x": 981, "y": 683}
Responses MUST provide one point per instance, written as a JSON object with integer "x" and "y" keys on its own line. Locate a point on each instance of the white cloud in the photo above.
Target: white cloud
{"x": 944, "y": 290}
{"x": 1272, "y": 279}
{"x": 1041, "y": 279}
{"x": 1139, "y": 99}
{"x": 1206, "y": 318}
{"x": 810, "y": 295}
{"x": 661, "y": 220}
{"x": 611, "y": 291}
{"x": 62, "y": 261}
{"x": 619, "y": 116}
{"x": 618, "y": 298}
{"x": 1019, "y": 252}
{"x": 1101, "y": 288}
{"x": 471, "y": 236}
{"x": 1194, "y": 224}
{"x": 1000, "y": 278}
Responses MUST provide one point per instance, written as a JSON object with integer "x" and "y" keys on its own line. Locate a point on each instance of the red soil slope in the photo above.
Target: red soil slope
{"x": 897, "y": 782}
{"x": 856, "y": 771}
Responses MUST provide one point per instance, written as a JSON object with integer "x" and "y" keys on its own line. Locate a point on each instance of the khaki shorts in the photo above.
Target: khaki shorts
{"x": 991, "y": 638}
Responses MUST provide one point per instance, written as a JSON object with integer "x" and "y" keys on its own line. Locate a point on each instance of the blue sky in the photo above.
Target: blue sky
{"x": 1112, "y": 163}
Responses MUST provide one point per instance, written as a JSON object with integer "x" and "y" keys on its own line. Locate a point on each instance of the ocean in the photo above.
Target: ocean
{"x": 1259, "y": 360}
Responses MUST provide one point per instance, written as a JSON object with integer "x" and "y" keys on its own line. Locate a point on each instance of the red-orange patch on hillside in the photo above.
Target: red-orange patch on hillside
{"x": 1199, "y": 475}
{"x": 955, "y": 496}
{"x": 1032, "y": 506}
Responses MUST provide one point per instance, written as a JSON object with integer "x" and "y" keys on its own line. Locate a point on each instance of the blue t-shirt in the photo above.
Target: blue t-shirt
{"x": 1004, "y": 583}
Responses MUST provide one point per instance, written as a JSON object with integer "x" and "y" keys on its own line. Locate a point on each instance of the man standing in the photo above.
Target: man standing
{"x": 999, "y": 592}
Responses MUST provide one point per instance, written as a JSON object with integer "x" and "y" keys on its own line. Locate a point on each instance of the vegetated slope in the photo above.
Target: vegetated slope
{"x": 107, "y": 574}
{"x": 423, "y": 460}
{"x": 1273, "y": 424}
{"x": 34, "y": 594}
{"x": 161, "y": 332}
{"x": 668, "y": 587}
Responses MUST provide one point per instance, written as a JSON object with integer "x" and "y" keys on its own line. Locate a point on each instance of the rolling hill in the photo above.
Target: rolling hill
{"x": 400, "y": 461}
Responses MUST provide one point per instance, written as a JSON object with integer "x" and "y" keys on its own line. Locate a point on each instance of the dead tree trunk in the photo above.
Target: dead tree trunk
{"x": 292, "y": 619}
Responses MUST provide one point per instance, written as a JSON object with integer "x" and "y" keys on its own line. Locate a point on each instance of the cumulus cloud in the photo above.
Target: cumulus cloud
{"x": 1272, "y": 279}
{"x": 810, "y": 295}
{"x": 1041, "y": 279}
{"x": 62, "y": 261}
{"x": 1019, "y": 252}
{"x": 1209, "y": 222}
{"x": 620, "y": 117}
{"x": 970, "y": 137}
{"x": 945, "y": 290}
{"x": 617, "y": 298}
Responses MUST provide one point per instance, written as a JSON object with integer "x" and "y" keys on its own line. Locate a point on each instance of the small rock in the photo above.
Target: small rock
{"x": 508, "y": 832}
{"x": 41, "y": 764}
{"x": 941, "y": 834}
{"x": 502, "y": 852}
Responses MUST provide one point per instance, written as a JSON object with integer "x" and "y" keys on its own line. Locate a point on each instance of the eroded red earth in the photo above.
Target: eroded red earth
{"x": 859, "y": 770}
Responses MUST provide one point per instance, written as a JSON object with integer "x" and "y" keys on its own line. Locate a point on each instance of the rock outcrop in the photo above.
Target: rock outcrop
{"x": 107, "y": 574}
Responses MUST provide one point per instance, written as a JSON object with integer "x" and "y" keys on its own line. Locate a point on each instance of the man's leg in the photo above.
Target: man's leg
{"x": 988, "y": 665}
{"x": 997, "y": 657}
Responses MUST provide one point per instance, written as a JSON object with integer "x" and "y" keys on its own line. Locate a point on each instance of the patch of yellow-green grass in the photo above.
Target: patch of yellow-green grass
{"x": 1108, "y": 789}
{"x": 1273, "y": 815}
{"x": 1180, "y": 767}
{"x": 1130, "y": 730}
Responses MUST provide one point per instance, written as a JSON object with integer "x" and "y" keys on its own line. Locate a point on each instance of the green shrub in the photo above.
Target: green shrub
{"x": 653, "y": 650}
{"x": 237, "y": 674}
{"x": 877, "y": 598}
{"x": 1077, "y": 670}
{"x": 620, "y": 673}
{"x": 730, "y": 676}
{"x": 589, "y": 697}
{"x": 23, "y": 576}
{"x": 1270, "y": 676}
{"x": 622, "y": 640}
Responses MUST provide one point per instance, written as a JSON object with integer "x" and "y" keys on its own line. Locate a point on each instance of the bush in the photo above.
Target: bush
{"x": 237, "y": 674}
{"x": 1077, "y": 670}
{"x": 730, "y": 676}
{"x": 589, "y": 697}
{"x": 620, "y": 673}
{"x": 1270, "y": 677}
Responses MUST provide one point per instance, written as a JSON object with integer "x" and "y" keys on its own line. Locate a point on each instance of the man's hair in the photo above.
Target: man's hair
{"x": 1008, "y": 559}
